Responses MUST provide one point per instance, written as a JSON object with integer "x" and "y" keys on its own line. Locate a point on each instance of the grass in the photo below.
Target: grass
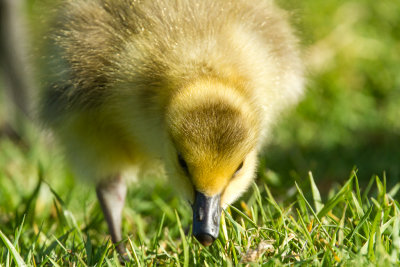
{"x": 335, "y": 216}
{"x": 53, "y": 221}
{"x": 350, "y": 114}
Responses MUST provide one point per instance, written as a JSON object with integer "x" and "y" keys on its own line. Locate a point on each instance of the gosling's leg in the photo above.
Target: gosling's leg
{"x": 111, "y": 194}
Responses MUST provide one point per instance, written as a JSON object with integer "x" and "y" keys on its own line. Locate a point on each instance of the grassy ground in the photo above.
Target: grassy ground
{"x": 343, "y": 217}
{"x": 47, "y": 219}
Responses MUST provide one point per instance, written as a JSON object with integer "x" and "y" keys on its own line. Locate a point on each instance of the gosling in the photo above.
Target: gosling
{"x": 195, "y": 85}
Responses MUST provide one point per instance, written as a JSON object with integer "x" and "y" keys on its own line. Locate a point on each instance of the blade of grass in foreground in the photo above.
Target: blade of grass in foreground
{"x": 17, "y": 258}
{"x": 336, "y": 199}
{"x": 315, "y": 193}
{"x": 134, "y": 248}
{"x": 184, "y": 242}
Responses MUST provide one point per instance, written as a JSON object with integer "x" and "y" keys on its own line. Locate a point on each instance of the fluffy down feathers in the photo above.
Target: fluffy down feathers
{"x": 131, "y": 81}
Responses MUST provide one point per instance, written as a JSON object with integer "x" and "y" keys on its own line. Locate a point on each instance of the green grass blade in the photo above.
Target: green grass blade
{"x": 311, "y": 209}
{"x": 272, "y": 200}
{"x": 363, "y": 220}
{"x": 396, "y": 238}
{"x": 53, "y": 262}
{"x": 394, "y": 190}
{"x": 259, "y": 201}
{"x": 357, "y": 204}
{"x": 184, "y": 242}
{"x": 14, "y": 253}
{"x": 133, "y": 248}
{"x": 315, "y": 193}
{"x": 336, "y": 199}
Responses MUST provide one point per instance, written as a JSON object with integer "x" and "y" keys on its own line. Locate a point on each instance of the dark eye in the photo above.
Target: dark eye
{"x": 238, "y": 168}
{"x": 183, "y": 164}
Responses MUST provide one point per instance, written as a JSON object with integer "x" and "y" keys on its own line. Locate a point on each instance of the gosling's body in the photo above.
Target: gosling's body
{"x": 195, "y": 85}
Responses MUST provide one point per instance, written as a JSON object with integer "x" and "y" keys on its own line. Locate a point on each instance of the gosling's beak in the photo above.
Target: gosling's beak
{"x": 206, "y": 217}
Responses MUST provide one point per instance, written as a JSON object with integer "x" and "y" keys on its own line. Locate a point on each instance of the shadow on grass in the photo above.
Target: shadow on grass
{"x": 372, "y": 153}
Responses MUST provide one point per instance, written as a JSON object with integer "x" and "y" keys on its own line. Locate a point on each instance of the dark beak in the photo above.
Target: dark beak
{"x": 206, "y": 217}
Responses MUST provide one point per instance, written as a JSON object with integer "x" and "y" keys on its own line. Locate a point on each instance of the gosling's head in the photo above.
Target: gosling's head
{"x": 214, "y": 133}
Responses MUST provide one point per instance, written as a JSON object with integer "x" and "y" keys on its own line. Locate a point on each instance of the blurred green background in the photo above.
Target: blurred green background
{"x": 349, "y": 117}
{"x": 351, "y": 113}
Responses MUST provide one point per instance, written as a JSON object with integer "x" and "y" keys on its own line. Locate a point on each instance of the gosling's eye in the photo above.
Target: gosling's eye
{"x": 238, "y": 168}
{"x": 183, "y": 164}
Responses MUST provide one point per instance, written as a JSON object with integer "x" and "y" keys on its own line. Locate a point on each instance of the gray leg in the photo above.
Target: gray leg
{"x": 111, "y": 194}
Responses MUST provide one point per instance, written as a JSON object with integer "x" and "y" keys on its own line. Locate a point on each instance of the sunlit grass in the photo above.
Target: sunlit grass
{"x": 42, "y": 225}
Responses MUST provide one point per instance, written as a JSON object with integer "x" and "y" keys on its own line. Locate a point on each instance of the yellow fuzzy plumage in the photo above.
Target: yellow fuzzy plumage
{"x": 132, "y": 81}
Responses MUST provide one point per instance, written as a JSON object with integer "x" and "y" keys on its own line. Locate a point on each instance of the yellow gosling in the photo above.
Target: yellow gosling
{"x": 195, "y": 85}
